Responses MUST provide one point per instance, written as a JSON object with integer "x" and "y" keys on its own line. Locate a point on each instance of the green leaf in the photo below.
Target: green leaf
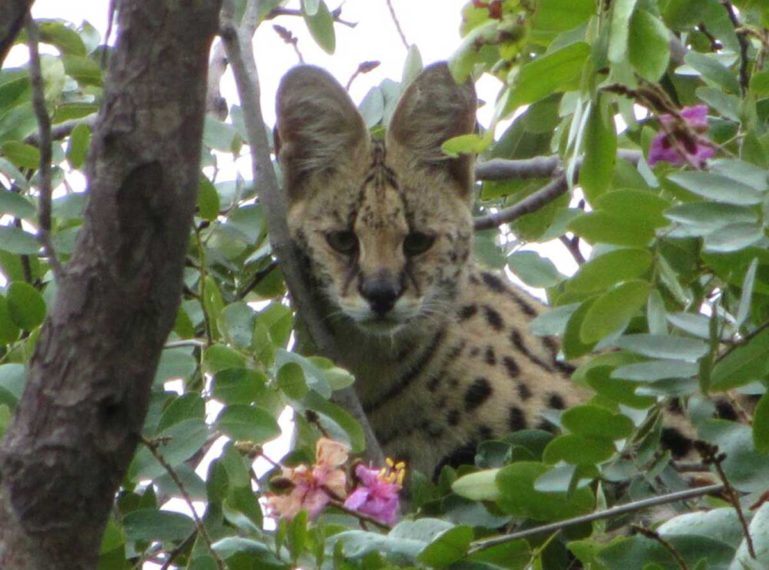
{"x": 533, "y": 269}
{"x": 648, "y": 48}
{"x": 663, "y": 346}
{"x": 25, "y": 305}
{"x": 16, "y": 240}
{"x": 593, "y": 421}
{"x": 77, "y": 147}
{"x": 220, "y": 136}
{"x": 321, "y": 26}
{"x": 13, "y": 376}
{"x": 759, "y": 532}
{"x": 351, "y": 428}
{"x": 291, "y": 381}
{"x": 654, "y": 370}
{"x": 21, "y": 154}
{"x": 478, "y": 486}
{"x": 746, "y": 468}
{"x": 554, "y": 72}
{"x": 208, "y": 200}
{"x": 175, "y": 363}
{"x": 238, "y": 385}
{"x": 573, "y": 347}
{"x": 249, "y": 423}
{"x": 16, "y": 205}
{"x": 219, "y": 357}
{"x": 578, "y": 449}
{"x": 713, "y": 71}
{"x": 717, "y": 187}
{"x": 310, "y": 7}
{"x": 733, "y": 237}
{"x": 448, "y": 547}
{"x": 613, "y": 310}
{"x": 58, "y": 34}
{"x": 178, "y": 443}
{"x": 519, "y": 497}
{"x": 761, "y": 425}
{"x": 759, "y": 84}
{"x": 621, "y": 12}
{"x": 704, "y": 218}
{"x": 601, "y": 227}
{"x": 600, "y": 150}
{"x": 152, "y": 524}
{"x": 640, "y": 206}
{"x": 744, "y": 364}
{"x": 611, "y": 268}
{"x": 83, "y": 70}
{"x": 466, "y": 144}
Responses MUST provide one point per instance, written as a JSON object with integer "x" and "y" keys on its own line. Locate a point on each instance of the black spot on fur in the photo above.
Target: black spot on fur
{"x": 478, "y": 392}
{"x": 485, "y": 432}
{"x": 725, "y": 410}
{"x": 512, "y": 366}
{"x": 516, "y": 419}
{"x": 524, "y": 392}
{"x": 545, "y": 425}
{"x": 467, "y": 312}
{"x": 493, "y": 282}
{"x": 556, "y": 402}
{"x": 475, "y": 351}
{"x": 453, "y": 417}
{"x": 493, "y": 318}
{"x": 455, "y": 351}
{"x": 678, "y": 444}
{"x": 490, "y": 357}
{"x": 433, "y": 383}
{"x": 463, "y": 455}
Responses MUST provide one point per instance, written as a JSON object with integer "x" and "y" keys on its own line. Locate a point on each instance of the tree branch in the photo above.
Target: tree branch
{"x": 44, "y": 134}
{"x": 523, "y": 169}
{"x": 531, "y": 203}
{"x": 238, "y": 47}
{"x": 608, "y": 513}
{"x": 63, "y": 129}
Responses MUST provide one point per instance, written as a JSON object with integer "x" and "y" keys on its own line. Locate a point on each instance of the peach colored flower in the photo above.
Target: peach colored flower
{"x": 313, "y": 488}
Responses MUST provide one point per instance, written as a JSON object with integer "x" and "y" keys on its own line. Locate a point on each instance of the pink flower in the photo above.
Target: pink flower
{"x": 312, "y": 488}
{"x": 680, "y": 141}
{"x": 377, "y": 495}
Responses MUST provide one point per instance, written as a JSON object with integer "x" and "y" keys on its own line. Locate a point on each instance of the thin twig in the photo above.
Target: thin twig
{"x": 63, "y": 129}
{"x": 573, "y": 246}
{"x": 186, "y": 543}
{"x": 530, "y": 204}
{"x": 711, "y": 456}
{"x": 652, "y": 535}
{"x": 153, "y": 448}
{"x": 608, "y": 513}
{"x": 243, "y": 65}
{"x": 406, "y": 44}
{"x": 279, "y": 11}
{"x": 44, "y": 128}
{"x": 744, "y": 46}
{"x": 256, "y": 279}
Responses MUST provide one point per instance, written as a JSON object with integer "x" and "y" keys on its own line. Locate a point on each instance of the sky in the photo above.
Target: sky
{"x": 432, "y": 25}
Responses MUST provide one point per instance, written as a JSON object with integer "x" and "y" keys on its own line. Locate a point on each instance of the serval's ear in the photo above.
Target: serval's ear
{"x": 433, "y": 109}
{"x": 318, "y": 130}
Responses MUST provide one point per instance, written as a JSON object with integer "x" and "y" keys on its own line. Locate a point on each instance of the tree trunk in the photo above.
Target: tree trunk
{"x": 77, "y": 424}
{"x": 12, "y": 14}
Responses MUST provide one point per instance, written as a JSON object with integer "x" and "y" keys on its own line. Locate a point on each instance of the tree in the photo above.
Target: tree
{"x": 637, "y": 142}
{"x": 87, "y": 391}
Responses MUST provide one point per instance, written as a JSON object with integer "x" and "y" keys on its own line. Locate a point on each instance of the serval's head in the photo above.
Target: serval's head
{"x": 386, "y": 225}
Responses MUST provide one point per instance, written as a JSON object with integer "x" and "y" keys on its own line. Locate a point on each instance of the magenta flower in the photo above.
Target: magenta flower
{"x": 681, "y": 139}
{"x": 377, "y": 494}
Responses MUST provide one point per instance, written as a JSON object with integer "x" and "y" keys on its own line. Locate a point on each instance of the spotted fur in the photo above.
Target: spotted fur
{"x": 440, "y": 349}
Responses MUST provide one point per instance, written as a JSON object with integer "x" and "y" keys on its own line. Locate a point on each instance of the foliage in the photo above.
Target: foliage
{"x": 672, "y": 297}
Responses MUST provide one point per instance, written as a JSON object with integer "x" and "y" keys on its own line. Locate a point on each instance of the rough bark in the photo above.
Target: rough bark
{"x": 12, "y": 14}
{"x": 77, "y": 424}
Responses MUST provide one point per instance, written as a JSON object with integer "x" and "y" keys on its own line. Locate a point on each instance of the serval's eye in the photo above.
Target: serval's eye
{"x": 343, "y": 241}
{"x": 417, "y": 243}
